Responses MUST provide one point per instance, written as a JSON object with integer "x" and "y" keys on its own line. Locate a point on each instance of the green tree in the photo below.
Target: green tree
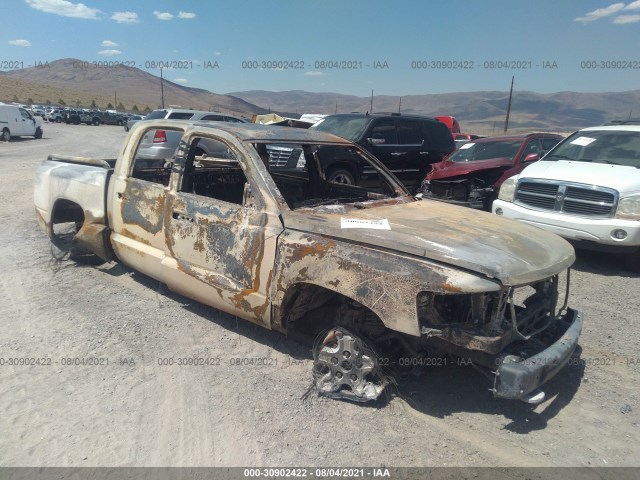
{"x": 61, "y": 101}
{"x": 121, "y": 107}
{"x": 47, "y": 102}
{"x": 29, "y": 101}
{"x": 78, "y": 103}
{"x": 135, "y": 108}
{"x": 93, "y": 104}
{"x": 109, "y": 106}
{"x": 146, "y": 109}
{"x": 15, "y": 99}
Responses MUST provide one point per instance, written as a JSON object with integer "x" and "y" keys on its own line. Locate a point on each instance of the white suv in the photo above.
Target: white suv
{"x": 586, "y": 189}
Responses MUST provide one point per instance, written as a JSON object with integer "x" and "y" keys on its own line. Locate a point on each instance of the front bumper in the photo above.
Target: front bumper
{"x": 597, "y": 230}
{"x": 518, "y": 379}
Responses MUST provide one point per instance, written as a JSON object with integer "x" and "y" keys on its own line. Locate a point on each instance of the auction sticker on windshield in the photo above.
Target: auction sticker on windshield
{"x": 583, "y": 141}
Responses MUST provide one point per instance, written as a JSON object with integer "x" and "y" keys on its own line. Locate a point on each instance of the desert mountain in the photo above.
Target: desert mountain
{"x": 129, "y": 85}
{"x": 480, "y": 112}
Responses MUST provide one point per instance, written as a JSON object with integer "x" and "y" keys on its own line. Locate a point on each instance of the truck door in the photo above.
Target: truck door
{"x": 25, "y": 124}
{"x": 382, "y": 142}
{"x": 221, "y": 241}
{"x": 136, "y": 204}
{"x": 413, "y": 162}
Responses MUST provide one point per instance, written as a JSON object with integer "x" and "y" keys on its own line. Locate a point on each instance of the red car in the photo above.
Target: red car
{"x": 471, "y": 176}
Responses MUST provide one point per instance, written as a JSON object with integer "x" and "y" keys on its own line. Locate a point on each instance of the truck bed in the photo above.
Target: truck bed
{"x": 68, "y": 187}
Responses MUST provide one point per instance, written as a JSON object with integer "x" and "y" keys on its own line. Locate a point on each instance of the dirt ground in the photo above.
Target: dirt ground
{"x": 248, "y": 406}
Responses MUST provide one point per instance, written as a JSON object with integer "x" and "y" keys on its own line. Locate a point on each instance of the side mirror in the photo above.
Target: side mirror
{"x": 532, "y": 157}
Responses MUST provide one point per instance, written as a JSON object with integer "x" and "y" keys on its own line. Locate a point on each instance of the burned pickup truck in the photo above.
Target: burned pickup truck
{"x": 365, "y": 271}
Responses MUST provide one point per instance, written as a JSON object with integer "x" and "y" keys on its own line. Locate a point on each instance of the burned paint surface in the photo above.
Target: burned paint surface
{"x": 384, "y": 282}
{"x": 245, "y": 258}
{"x": 143, "y": 207}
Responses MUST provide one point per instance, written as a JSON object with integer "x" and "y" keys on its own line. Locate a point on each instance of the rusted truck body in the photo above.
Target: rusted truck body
{"x": 290, "y": 251}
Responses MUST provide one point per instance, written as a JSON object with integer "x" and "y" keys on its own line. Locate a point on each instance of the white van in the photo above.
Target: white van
{"x": 16, "y": 121}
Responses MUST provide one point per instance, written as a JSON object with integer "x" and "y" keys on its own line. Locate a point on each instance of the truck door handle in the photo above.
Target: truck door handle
{"x": 424, "y": 153}
{"x": 397, "y": 154}
{"x": 182, "y": 216}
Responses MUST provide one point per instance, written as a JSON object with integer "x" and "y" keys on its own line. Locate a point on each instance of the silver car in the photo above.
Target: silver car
{"x": 131, "y": 120}
{"x": 162, "y": 144}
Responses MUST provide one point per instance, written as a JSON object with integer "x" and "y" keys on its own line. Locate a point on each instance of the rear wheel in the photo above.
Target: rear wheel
{"x": 96, "y": 122}
{"x": 340, "y": 175}
{"x": 6, "y": 135}
{"x": 38, "y": 133}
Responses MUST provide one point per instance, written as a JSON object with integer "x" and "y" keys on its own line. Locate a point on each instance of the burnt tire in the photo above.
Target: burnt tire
{"x": 6, "y": 135}
{"x": 341, "y": 176}
{"x": 38, "y": 133}
{"x": 65, "y": 247}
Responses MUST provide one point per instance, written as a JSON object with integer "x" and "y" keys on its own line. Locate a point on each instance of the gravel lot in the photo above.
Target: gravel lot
{"x": 131, "y": 411}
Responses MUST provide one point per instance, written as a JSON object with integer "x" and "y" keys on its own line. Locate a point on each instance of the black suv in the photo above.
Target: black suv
{"x": 407, "y": 144}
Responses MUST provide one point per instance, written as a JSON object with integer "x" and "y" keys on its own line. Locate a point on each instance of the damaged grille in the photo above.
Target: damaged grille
{"x": 279, "y": 156}
{"x": 571, "y": 199}
{"x": 489, "y": 321}
{"x": 450, "y": 190}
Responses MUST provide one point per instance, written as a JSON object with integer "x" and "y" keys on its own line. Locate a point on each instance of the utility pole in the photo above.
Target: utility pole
{"x": 506, "y": 120}
{"x": 371, "y": 108}
{"x": 336, "y": 107}
{"x": 399, "y": 104}
{"x": 115, "y": 100}
{"x": 161, "y": 87}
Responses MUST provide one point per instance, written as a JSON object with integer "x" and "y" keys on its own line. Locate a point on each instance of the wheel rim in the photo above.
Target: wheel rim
{"x": 342, "y": 178}
{"x": 344, "y": 367}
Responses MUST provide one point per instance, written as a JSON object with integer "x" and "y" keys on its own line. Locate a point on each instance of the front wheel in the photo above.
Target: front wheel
{"x": 6, "y": 135}
{"x": 341, "y": 176}
{"x": 96, "y": 122}
{"x": 38, "y": 133}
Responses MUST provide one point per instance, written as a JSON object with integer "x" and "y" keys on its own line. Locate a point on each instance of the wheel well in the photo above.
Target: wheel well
{"x": 65, "y": 211}
{"x": 309, "y": 309}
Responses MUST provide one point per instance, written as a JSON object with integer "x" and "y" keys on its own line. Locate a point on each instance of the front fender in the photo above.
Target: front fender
{"x": 385, "y": 282}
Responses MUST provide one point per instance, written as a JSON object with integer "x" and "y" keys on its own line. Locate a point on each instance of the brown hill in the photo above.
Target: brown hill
{"x": 128, "y": 85}
{"x": 479, "y": 112}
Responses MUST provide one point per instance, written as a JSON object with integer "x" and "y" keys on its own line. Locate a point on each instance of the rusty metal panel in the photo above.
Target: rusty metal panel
{"x": 511, "y": 252}
{"x": 385, "y": 282}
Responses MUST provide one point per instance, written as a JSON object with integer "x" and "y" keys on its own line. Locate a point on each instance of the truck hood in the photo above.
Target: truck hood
{"x": 622, "y": 178}
{"x": 506, "y": 250}
{"x": 448, "y": 169}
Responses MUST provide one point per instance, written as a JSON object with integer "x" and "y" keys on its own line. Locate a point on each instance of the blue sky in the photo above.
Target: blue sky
{"x": 423, "y": 43}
